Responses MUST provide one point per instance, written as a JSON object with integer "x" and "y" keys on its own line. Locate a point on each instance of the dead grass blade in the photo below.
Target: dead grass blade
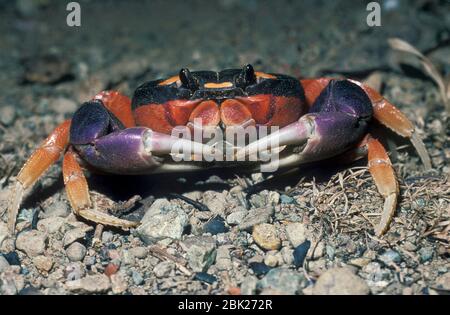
{"x": 429, "y": 67}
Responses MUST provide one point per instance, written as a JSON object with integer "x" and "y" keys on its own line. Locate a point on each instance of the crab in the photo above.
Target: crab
{"x": 315, "y": 119}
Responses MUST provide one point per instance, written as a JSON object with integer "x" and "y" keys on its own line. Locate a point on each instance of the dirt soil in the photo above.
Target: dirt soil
{"x": 327, "y": 213}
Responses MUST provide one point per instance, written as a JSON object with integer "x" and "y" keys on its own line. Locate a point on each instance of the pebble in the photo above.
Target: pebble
{"x": 4, "y": 264}
{"x": 287, "y": 255}
{"x": 11, "y": 282}
{"x": 138, "y": 252}
{"x": 201, "y": 252}
{"x": 282, "y": 281}
{"x": 215, "y": 226}
{"x": 118, "y": 283}
{"x": 390, "y": 256}
{"x": 215, "y": 201}
{"x": 266, "y": 236}
{"x": 443, "y": 281}
{"x": 259, "y": 268}
{"x": 32, "y": 242}
{"x": 7, "y": 115}
{"x": 300, "y": 253}
{"x": 12, "y": 258}
{"x": 340, "y": 281}
{"x": 50, "y": 225}
{"x": 137, "y": 278}
{"x": 56, "y": 209}
{"x": 223, "y": 258}
{"x": 236, "y": 217}
{"x": 166, "y": 221}
{"x": 205, "y": 277}
{"x": 286, "y": 199}
{"x": 111, "y": 269}
{"x": 74, "y": 271}
{"x": 271, "y": 260}
{"x": 76, "y": 252}
{"x": 90, "y": 284}
{"x": 331, "y": 251}
{"x": 426, "y": 253}
{"x": 75, "y": 234}
{"x": 248, "y": 286}
{"x": 43, "y": 263}
{"x": 163, "y": 269}
{"x": 296, "y": 233}
{"x": 107, "y": 237}
{"x": 256, "y": 216}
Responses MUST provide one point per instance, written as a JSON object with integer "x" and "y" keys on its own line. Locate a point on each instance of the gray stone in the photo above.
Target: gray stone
{"x": 296, "y": 233}
{"x": 137, "y": 278}
{"x": 107, "y": 237}
{"x": 201, "y": 252}
{"x": 62, "y": 105}
{"x": 236, "y": 217}
{"x": 162, "y": 221}
{"x": 56, "y": 209}
{"x": 3, "y": 231}
{"x": 282, "y": 281}
{"x": 215, "y": 201}
{"x": 287, "y": 255}
{"x": 32, "y": 242}
{"x": 331, "y": 251}
{"x": 3, "y": 263}
{"x": 443, "y": 281}
{"x": 138, "y": 252}
{"x": 75, "y": 234}
{"x": 271, "y": 260}
{"x": 76, "y": 252}
{"x": 390, "y": 256}
{"x": 426, "y": 254}
{"x": 7, "y": 115}
{"x": 11, "y": 281}
{"x": 118, "y": 283}
{"x": 50, "y": 225}
{"x": 248, "y": 286}
{"x": 340, "y": 281}
{"x": 256, "y": 216}
{"x": 223, "y": 258}
{"x": 90, "y": 284}
{"x": 286, "y": 199}
{"x": 163, "y": 269}
{"x": 43, "y": 263}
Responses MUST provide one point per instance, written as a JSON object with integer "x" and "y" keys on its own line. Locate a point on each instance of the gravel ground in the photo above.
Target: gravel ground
{"x": 309, "y": 232}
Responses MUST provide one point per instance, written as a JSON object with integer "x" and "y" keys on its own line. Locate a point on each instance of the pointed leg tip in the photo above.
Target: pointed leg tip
{"x": 13, "y": 209}
{"x": 390, "y": 204}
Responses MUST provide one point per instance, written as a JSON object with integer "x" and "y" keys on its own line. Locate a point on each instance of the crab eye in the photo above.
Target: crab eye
{"x": 246, "y": 77}
{"x": 187, "y": 80}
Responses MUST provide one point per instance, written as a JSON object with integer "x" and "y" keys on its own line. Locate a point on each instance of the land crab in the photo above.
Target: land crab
{"x": 318, "y": 119}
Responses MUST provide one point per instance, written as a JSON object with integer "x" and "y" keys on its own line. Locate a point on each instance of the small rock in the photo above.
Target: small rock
{"x": 43, "y": 263}
{"x": 30, "y": 291}
{"x": 50, "y": 225}
{"x": 7, "y": 115}
{"x": 163, "y": 222}
{"x": 31, "y": 242}
{"x": 223, "y": 258}
{"x": 74, "y": 271}
{"x": 3, "y": 263}
{"x": 11, "y": 282}
{"x": 201, "y": 252}
{"x": 107, "y": 237}
{"x": 256, "y": 216}
{"x": 300, "y": 253}
{"x": 271, "y": 260}
{"x": 331, "y": 251}
{"x": 118, "y": 283}
{"x": 62, "y": 105}
{"x": 138, "y": 252}
{"x": 236, "y": 217}
{"x": 340, "y": 281}
{"x": 296, "y": 233}
{"x": 76, "y": 252}
{"x": 426, "y": 253}
{"x": 286, "y": 199}
{"x": 248, "y": 286}
{"x": 215, "y": 226}
{"x": 163, "y": 269}
{"x": 12, "y": 258}
{"x": 287, "y": 255}
{"x": 259, "y": 268}
{"x": 137, "y": 278}
{"x": 75, "y": 234}
{"x": 111, "y": 269}
{"x": 215, "y": 201}
{"x": 282, "y": 281}
{"x": 266, "y": 236}
{"x": 205, "y": 277}
{"x": 443, "y": 282}
{"x": 390, "y": 256}
{"x": 360, "y": 262}
{"x": 90, "y": 284}
{"x": 56, "y": 209}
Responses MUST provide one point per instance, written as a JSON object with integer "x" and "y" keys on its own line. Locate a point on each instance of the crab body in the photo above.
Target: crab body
{"x": 309, "y": 120}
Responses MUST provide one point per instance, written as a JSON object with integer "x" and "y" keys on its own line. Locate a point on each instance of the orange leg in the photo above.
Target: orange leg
{"x": 383, "y": 111}
{"x": 46, "y": 155}
{"x": 382, "y": 172}
{"x": 78, "y": 194}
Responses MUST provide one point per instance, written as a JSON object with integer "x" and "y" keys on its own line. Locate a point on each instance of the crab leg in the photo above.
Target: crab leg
{"x": 382, "y": 172}
{"x": 78, "y": 194}
{"x": 46, "y": 155}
